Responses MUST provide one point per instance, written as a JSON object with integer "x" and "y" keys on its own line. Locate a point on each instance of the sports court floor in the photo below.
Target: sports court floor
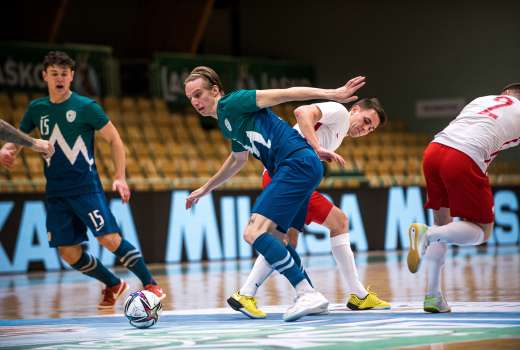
{"x": 58, "y": 310}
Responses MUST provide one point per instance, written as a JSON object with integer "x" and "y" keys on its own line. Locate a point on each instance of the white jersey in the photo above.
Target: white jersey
{"x": 483, "y": 128}
{"x": 332, "y": 128}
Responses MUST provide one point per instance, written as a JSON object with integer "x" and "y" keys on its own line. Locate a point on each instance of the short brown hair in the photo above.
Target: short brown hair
{"x": 512, "y": 89}
{"x": 58, "y": 58}
{"x": 373, "y": 103}
{"x": 208, "y": 75}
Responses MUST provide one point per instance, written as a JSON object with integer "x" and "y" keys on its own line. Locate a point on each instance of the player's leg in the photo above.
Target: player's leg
{"x": 337, "y": 223}
{"x": 283, "y": 200}
{"x": 434, "y": 257}
{"x": 468, "y": 195}
{"x": 66, "y": 232}
{"x": 93, "y": 209}
{"x": 132, "y": 259}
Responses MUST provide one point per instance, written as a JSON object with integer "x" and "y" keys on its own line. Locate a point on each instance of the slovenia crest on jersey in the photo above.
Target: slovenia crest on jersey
{"x": 70, "y": 115}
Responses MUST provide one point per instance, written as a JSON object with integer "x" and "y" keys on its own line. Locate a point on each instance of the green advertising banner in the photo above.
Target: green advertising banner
{"x": 21, "y": 67}
{"x": 169, "y": 71}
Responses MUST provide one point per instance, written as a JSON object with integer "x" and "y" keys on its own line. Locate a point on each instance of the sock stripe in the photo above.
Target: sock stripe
{"x": 91, "y": 265}
{"x": 282, "y": 262}
{"x": 128, "y": 255}
{"x": 288, "y": 266}
{"x": 132, "y": 260}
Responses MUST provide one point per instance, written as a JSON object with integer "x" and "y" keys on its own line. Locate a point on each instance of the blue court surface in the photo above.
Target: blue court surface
{"x": 405, "y": 325}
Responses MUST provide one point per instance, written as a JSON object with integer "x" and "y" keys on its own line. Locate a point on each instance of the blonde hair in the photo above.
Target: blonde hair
{"x": 208, "y": 75}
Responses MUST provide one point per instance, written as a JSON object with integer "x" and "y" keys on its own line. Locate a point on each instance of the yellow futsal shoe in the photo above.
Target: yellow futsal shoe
{"x": 418, "y": 245}
{"x": 370, "y": 302}
{"x": 246, "y": 305}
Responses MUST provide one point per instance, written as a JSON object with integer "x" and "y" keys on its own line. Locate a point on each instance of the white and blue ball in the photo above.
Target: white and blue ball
{"x": 142, "y": 308}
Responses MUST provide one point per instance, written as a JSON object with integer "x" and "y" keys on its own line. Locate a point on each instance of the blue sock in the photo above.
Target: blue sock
{"x": 132, "y": 259}
{"x": 298, "y": 262}
{"x": 279, "y": 257}
{"x": 92, "y": 267}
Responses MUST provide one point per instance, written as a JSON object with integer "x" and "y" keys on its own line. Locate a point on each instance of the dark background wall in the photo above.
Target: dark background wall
{"x": 408, "y": 50}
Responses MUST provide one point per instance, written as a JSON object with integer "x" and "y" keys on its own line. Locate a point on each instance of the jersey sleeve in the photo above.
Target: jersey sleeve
{"x": 27, "y": 124}
{"x": 95, "y": 116}
{"x": 332, "y": 113}
{"x": 236, "y": 147}
{"x": 239, "y": 102}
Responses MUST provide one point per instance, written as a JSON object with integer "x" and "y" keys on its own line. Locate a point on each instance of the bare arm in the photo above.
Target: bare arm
{"x": 231, "y": 166}
{"x": 307, "y": 117}
{"x": 344, "y": 94}
{"x": 17, "y": 139}
{"x": 10, "y": 134}
{"x": 110, "y": 134}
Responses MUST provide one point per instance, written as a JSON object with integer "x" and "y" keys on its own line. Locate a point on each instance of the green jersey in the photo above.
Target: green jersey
{"x": 257, "y": 130}
{"x": 70, "y": 127}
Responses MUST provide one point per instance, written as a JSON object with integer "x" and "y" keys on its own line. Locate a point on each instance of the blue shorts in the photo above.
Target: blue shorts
{"x": 286, "y": 198}
{"x": 69, "y": 217}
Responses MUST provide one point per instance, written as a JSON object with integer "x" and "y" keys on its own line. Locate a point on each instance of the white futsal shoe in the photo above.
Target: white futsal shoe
{"x": 306, "y": 303}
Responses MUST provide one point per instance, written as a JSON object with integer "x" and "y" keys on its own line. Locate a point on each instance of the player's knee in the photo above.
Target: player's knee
{"x": 110, "y": 241}
{"x": 71, "y": 254}
{"x": 340, "y": 223}
{"x": 250, "y": 235}
{"x": 488, "y": 229}
{"x": 293, "y": 238}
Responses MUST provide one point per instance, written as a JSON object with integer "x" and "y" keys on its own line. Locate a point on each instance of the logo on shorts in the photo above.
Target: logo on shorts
{"x": 49, "y": 236}
{"x": 71, "y": 116}
{"x": 227, "y": 124}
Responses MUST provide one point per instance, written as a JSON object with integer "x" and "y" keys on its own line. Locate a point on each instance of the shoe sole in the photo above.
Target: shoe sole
{"x": 235, "y": 305}
{"x": 324, "y": 311}
{"x": 356, "y": 308}
{"x": 414, "y": 258}
{"x": 102, "y": 307}
{"x": 435, "y": 310}
{"x": 309, "y": 311}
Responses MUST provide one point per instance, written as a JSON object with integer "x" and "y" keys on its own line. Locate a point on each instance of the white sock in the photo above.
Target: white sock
{"x": 347, "y": 266}
{"x": 459, "y": 233}
{"x": 303, "y": 287}
{"x": 259, "y": 273}
{"x": 434, "y": 258}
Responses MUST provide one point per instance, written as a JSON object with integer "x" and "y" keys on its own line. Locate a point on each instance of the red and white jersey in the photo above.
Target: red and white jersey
{"x": 483, "y": 128}
{"x": 332, "y": 128}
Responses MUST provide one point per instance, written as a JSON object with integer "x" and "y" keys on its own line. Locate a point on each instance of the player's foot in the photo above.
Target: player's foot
{"x": 155, "y": 289}
{"x": 111, "y": 294}
{"x": 246, "y": 305}
{"x": 436, "y": 304}
{"x": 307, "y": 303}
{"x": 418, "y": 244}
{"x": 370, "y": 302}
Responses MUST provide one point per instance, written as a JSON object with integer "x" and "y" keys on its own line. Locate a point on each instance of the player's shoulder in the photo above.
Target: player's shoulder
{"x": 238, "y": 94}
{"x": 81, "y": 100}
{"x": 332, "y": 106}
{"x": 332, "y": 109}
{"x": 40, "y": 102}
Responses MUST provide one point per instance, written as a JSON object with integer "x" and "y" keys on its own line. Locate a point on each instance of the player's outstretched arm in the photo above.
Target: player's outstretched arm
{"x": 231, "y": 166}
{"x": 343, "y": 94}
{"x": 110, "y": 134}
{"x": 12, "y": 135}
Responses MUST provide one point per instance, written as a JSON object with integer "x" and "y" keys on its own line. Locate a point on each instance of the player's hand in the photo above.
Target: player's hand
{"x": 344, "y": 94}
{"x": 44, "y": 147}
{"x": 194, "y": 197}
{"x": 7, "y": 157}
{"x": 330, "y": 156}
{"x": 121, "y": 186}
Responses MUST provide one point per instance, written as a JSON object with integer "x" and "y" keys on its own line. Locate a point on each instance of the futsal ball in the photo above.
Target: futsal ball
{"x": 142, "y": 308}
